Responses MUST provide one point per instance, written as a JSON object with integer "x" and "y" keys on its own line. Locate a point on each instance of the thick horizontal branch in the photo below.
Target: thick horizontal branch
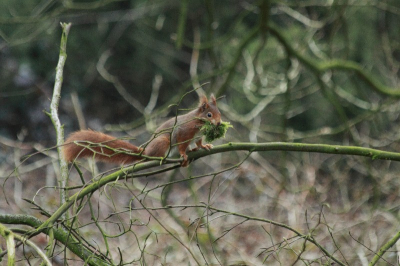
{"x": 300, "y": 147}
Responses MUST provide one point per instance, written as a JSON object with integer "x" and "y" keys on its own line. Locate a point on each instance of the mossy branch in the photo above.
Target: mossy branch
{"x": 54, "y": 107}
{"x": 64, "y": 237}
{"x": 300, "y": 147}
{"x": 56, "y": 121}
{"x": 9, "y": 237}
{"x": 384, "y": 248}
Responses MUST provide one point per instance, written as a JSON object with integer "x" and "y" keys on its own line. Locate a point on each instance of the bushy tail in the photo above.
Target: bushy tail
{"x": 88, "y": 143}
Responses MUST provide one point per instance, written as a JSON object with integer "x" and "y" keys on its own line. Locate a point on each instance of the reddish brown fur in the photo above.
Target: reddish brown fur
{"x": 183, "y": 136}
{"x": 158, "y": 146}
{"x": 181, "y": 130}
{"x": 82, "y": 144}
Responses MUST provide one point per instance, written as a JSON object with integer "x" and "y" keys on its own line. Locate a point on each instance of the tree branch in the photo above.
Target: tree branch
{"x": 300, "y": 147}
{"x": 384, "y": 248}
{"x": 64, "y": 237}
{"x": 54, "y": 108}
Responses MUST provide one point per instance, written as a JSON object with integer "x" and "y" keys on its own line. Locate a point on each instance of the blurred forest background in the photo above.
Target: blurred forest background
{"x": 310, "y": 71}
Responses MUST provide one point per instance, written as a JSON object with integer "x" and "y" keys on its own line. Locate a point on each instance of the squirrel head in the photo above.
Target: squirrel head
{"x": 208, "y": 110}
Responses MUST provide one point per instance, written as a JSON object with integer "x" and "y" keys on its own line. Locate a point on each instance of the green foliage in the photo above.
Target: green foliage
{"x": 213, "y": 132}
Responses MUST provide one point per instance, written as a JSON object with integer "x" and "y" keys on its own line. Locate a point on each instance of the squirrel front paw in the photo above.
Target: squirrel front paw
{"x": 207, "y": 146}
{"x": 185, "y": 161}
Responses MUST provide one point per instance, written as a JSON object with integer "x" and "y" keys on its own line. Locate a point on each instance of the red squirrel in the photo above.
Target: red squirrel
{"x": 184, "y": 128}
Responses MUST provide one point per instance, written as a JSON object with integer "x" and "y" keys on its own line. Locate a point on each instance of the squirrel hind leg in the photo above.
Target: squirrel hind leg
{"x": 157, "y": 147}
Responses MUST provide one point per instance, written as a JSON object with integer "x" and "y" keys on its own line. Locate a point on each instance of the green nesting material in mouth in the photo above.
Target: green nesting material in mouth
{"x": 213, "y": 132}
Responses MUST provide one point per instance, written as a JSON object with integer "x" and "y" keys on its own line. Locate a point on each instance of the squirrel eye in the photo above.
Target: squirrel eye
{"x": 209, "y": 114}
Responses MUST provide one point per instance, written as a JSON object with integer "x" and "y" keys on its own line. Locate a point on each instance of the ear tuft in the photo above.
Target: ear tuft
{"x": 213, "y": 100}
{"x": 203, "y": 103}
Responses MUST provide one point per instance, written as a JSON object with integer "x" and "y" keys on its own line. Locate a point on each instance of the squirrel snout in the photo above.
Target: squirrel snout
{"x": 216, "y": 122}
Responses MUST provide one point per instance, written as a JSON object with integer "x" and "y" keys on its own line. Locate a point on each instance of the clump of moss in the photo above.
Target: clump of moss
{"x": 213, "y": 132}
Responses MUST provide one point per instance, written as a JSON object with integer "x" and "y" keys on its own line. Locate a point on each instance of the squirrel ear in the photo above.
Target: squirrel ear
{"x": 203, "y": 103}
{"x": 213, "y": 100}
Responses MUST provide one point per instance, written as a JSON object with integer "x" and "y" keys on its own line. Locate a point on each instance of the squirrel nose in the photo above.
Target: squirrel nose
{"x": 218, "y": 123}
